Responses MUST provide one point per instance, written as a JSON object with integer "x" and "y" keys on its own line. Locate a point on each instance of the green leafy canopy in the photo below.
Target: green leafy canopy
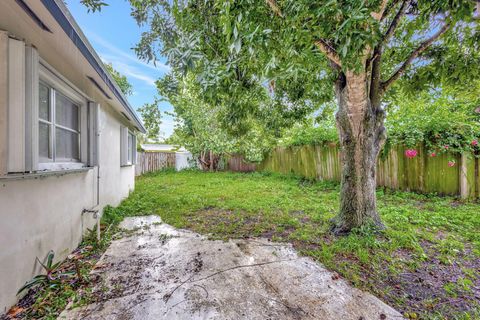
{"x": 244, "y": 53}
{"x": 120, "y": 79}
{"x": 277, "y": 61}
{"x": 199, "y": 124}
{"x": 152, "y": 119}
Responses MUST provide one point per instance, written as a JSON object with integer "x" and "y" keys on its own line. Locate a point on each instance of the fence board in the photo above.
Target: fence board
{"x": 238, "y": 164}
{"x": 154, "y": 161}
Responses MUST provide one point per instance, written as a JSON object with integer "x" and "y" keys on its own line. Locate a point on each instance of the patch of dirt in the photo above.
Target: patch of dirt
{"x": 210, "y": 220}
{"x": 422, "y": 291}
{"x": 243, "y": 224}
{"x": 456, "y": 204}
{"x": 237, "y": 224}
{"x": 196, "y": 264}
{"x": 279, "y": 235}
{"x": 436, "y": 286}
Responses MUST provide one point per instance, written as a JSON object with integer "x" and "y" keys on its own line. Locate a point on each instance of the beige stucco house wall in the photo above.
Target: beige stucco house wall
{"x": 50, "y": 209}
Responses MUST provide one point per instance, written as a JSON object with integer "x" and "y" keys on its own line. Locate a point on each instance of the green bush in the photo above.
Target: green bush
{"x": 441, "y": 121}
{"x": 311, "y": 133}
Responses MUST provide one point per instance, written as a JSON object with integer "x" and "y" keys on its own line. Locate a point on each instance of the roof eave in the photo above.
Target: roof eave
{"x": 63, "y": 17}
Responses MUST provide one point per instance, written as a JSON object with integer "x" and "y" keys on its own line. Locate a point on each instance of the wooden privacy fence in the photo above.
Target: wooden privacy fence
{"x": 154, "y": 161}
{"x": 238, "y": 164}
{"x": 424, "y": 174}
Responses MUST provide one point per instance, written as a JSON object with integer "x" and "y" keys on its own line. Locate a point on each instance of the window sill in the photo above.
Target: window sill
{"x": 60, "y": 166}
{"x": 42, "y": 174}
{"x": 127, "y": 165}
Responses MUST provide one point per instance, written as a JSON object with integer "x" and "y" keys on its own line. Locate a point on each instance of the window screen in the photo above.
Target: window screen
{"x": 66, "y": 143}
{"x": 59, "y": 127}
{"x": 44, "y": 141}
{"x": 66, "y": 112}
{"x": 45, "y": 125}
{"x": 44, "y": 102}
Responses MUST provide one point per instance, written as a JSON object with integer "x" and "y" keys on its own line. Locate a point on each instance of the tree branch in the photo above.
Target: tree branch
{"x": 329, "y": 51}
{"x": 375, "y": 78}
{"x": 423, "y": 46}
{"x": 379, "y": 14}
{"x": 321, "y": 44}
{"x": 389, "y": 8}
{"x": 395, "y": 22}
{"x": 376, "y": 59}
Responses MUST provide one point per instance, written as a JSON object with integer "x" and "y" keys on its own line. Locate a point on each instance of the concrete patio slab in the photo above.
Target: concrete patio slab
{"x": 159, "y": 272}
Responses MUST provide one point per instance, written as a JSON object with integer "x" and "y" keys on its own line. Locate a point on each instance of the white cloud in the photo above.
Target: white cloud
{"x": 128, "y": 70}
{"x": 140, "y": 76}
{"x": 113, "y": 50}
{"x": 129, "y": 65}
{"x": 126, "y": 62}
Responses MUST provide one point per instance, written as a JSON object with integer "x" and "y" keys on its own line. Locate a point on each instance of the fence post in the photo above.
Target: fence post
{"x": 463, "y": 176}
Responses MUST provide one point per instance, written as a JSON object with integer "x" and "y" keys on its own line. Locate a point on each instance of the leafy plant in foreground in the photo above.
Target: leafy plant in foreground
{"x": 52, "y": 276}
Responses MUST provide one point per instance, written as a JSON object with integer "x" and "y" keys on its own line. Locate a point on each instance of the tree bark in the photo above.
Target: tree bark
{"x": 212, "y": 164}
{"x": 203, "y": 161}
{"x": 361, "y": 130}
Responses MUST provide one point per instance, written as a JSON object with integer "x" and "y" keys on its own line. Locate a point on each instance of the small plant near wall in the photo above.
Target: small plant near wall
{"x": 52, "y": 277}
{"x": 64, "y": 282}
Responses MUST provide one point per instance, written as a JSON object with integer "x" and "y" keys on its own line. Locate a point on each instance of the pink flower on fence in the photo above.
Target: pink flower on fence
{"x": 411, "y": 153}
{"x": 451, "y": 163}
{"x": 446, "y": 147}
{"x": 475, "y": 143}
{"x": 433, "y": 154}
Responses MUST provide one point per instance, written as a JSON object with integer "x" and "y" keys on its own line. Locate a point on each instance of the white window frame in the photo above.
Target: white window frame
{"x": 54, "y": 125}
{"x": 50, "y": 78}
{"x": 19, "y": 114}
{"x": 128, "y": 147}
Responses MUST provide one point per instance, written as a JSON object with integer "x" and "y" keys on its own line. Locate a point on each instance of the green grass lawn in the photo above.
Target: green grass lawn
{"x": 426, "y": 263}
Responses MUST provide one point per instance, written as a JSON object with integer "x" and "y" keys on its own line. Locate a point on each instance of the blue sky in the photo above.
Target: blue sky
{"x": 113, "y": 32}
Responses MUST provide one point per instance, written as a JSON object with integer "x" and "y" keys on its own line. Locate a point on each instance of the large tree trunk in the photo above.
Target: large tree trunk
{"x": 208, "y": 160}
{"x": 361, "y": 131}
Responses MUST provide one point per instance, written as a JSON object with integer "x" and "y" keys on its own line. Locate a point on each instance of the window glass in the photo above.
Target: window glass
{"x": 66, "y": 145}
{"x": 66, "y": 112}
{"x": 59, "y": 126}
{"x": 44, "y": 102}
{"x": 44, "y": 141}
